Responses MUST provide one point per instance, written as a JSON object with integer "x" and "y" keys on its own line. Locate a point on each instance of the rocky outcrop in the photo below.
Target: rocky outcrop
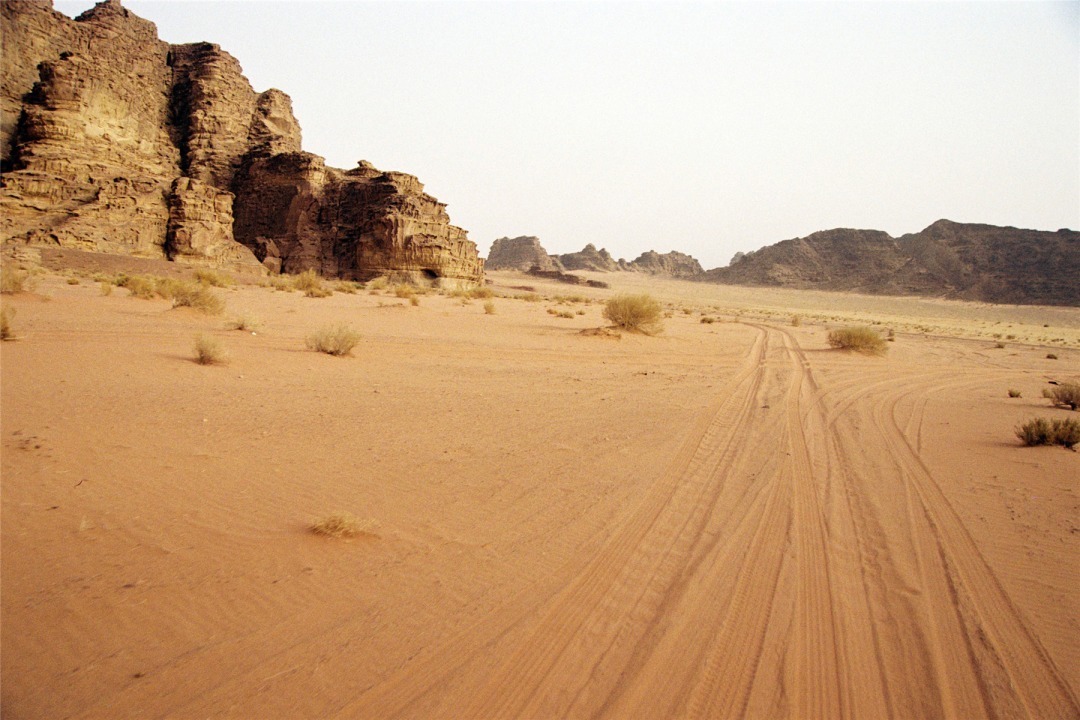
{"x": 114, "y": 141}
{"x": 520, "y": 253}
{"x": 964, "y": 261}
{"x": 673, "y": 264}
{"x": 589, "y": 258}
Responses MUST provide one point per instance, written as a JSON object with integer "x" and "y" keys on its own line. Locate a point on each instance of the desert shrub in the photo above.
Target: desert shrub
{"x": 246, "y": 323}
{"x": 309, "y": 283}
{"x": 167, "y": 287}
{"x": 637, "y": 313}
{"x": 340, "y": 525}
{"x": 530, "y": 297}
{"x": 708, "y": 320}
{"x": 198, "y": 297}
{"x": 489, "y": 307}
{"x": 414, "y": 300}
{"x": 73, "y": 281}
{"x": 335, "y": 340}
{"x": 796, "y": 321}
{"x": 999, "y": 346}
{"x": 282, "y": 283}
{"x": 139, "y": 286}
{"x": 379, "y": 283}
{"x": 564, "y": 314}
{"x": 1064, "y": 395}
{"x": 404, "y": 292}
{"x": 207, "y": 276}
{"x": 1014, "y": 393}
{"x": 346, "y": 288}
{"x": 858, "y": 339}
{"x": 13, "y": 280}
{"x": 1040, "y": 431}
{"x": 1051, "y": 356}
{"x": 106, "y": 287}
{"x": 209, "y": 351}
{"x": 6, "y": 331}
{"x": 481, "y": 293}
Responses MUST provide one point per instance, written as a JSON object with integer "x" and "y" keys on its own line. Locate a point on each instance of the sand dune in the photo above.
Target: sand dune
{"x": 726, "y": 520}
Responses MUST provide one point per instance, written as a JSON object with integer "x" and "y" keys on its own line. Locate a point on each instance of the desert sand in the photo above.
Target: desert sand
{"x": 725, "y": 520}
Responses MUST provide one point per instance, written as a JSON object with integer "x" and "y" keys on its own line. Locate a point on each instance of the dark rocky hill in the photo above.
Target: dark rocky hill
{"x": 955, "y": 260}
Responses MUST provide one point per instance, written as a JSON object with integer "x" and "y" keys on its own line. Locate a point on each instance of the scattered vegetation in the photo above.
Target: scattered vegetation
{"x": 198, "y": 297}
{"x": 1064, "y": 395}
{"x": 857, "y": 339}
{"x": 214, "y": 278}
{"x": 309, "y": 283}
{"x": 636, "y": 313}
{"x": 1040, "y": 431}
{"x": 247, "y": 323}
{"x": 530, "y": 297}
{"x": 14, "y": 280}
{"x": 337, "y": 340}
{"x": 1014, "y": 393}
{"x": 489, "y": 307}
{"x": 138, "y": 285}
{"x": 6, "y": 331}
{"x": 347, "y": 288}
{"x": 341, "y": 525}
{"x": 209, "y": 351}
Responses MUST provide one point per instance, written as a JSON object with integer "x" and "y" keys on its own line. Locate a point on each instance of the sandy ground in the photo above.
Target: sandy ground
{"x": 726, "y": 520}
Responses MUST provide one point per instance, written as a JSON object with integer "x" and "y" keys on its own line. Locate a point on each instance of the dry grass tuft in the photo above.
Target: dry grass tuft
{"x": 857, "y": 339}
{"x": 14, "y": 280}
{"x": 106, "y": 287}
{"x": 489, "y": 307}
{"x": 207, "y": 276}
{"x": 247, "y": 323}
{"x": 309, "y": 283}
{"x": 796, "y": 321}
{"x": 1040, "y": 431}
{"x": 209, "y": 351}
{"x": 198, "y": 297}
{"x": 337, "y": 340}
{"x": 635, "y": 313}
{"x": 341, "y": 525}
{"x": 6, "y": 331}
{"x": 139, "y": 286}
{"x": 1014, "y": 393}
{"x": 1064, "y": 395}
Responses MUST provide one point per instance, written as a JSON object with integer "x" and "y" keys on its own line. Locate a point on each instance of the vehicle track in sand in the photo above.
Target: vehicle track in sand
{"x": 779, "y": 568}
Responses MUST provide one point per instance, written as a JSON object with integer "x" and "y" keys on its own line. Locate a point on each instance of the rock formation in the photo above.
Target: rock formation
{"x": 589, "y": 258}
{"x": 673, "y": 264}
{"x": 520, "y": 253}
{"x": 963, "y": 261}
{"x": 114, "y": 141}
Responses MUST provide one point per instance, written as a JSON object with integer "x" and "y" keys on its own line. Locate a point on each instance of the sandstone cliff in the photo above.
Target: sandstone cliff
{"x": 963, "y": 261}
{"x": 520, "y": 253}
{"x": 672, "y": 264}
{"x": 114, "y": 141}
{"x": 589, "y": 258}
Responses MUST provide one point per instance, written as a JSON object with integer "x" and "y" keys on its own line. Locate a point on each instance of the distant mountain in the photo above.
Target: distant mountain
{"x": 525, "y": 253}
{"x": 956, "y": 260}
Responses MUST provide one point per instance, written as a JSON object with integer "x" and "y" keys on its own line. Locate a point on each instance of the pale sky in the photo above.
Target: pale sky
{"x": 707, "y": 127}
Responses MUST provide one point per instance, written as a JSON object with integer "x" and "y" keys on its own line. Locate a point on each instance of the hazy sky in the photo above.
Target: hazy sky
{"x": 707, "y": 127}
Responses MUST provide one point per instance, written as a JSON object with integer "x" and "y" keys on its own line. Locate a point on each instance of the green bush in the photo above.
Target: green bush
{"x": 857, "y": 339}
{"x": 636, "y": 313}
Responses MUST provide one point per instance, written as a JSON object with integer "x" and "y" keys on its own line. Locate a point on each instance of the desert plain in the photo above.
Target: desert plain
{"x": 725, "y": 520}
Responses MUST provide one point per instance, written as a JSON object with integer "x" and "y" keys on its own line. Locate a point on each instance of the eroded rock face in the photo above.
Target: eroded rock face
{"x": 671, "y": 264}
{"x": 521, "y": 253}
{"x": 589, "y": 258}
{"x": 114, "y": 141}
{"x": 957, "y": 260}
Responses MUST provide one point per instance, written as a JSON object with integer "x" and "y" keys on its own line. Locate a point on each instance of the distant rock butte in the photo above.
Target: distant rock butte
{"x": 964, "y": 261}
{"x": 114, "y": 141}
{"x": 526, "y": 253}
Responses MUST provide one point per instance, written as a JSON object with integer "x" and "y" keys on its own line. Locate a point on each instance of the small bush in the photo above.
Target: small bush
{"x": 636, "y": 313}
{"x": 1051, "y": 356}
{"x": 530, "y": 297}
{"x": 346, "y": 288}
{"x": 199, "y": 297}
{"x": 213, "y": 277}
{"x": 1064, "y": 395}
{"x": 282, "y": 283}
{"x": 796, "y": 321}
{"x": 857, "y": 339}
{"x": 13, "y": 280}
{"x": 168, "y": 287}
{"x": 564, "y": 314}
{"x": 489, "y": 307}
{"x": 209, "y": 351}
{"x": 1014, "y": 393}
{"x": 73, "y": 281}
{"x": 247, "y": 323}
{"x": 341, "y": 525}
{"x": 6, "y": 331}
{"x": 139, "y": 286}
{"x": 708, "y": 320}
{"x": 106, "y": 287}
{"x": 335, "y": 340}
{"x": 1040, "y": 431}
{"x": 309, "y": 283}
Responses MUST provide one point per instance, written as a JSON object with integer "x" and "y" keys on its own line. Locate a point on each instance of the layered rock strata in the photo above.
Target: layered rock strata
{"x": 114, "y": 141}
{"x": 520, "y": 253}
